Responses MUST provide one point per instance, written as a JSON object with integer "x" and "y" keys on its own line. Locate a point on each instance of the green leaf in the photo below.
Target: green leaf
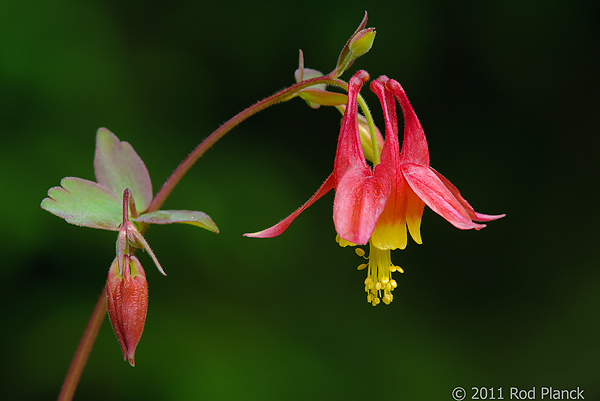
{"x": 194, "y": 218}
{"x": 84, "y": 203}
{"x": 118, "y": 166}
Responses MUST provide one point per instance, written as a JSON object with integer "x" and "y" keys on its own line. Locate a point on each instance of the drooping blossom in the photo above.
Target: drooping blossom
{"x": 414, "y": 184}
{"x": 376, "y": 204}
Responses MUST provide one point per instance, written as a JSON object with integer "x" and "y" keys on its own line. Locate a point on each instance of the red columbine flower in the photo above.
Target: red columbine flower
{"x": 375, "y": 205}
{"x": 361, "y": 192}
{"x": 414, "y": 184}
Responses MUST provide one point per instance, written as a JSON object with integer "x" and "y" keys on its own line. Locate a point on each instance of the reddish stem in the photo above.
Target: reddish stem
{"x": 206, "y": 144}
{"x": 83, "y": 350}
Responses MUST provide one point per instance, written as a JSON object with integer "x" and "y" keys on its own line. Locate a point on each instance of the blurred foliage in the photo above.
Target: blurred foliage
{"x": 507, "y": 93}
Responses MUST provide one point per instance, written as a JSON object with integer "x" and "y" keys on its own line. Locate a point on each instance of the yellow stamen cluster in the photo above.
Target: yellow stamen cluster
{"x": 379, "y": 275}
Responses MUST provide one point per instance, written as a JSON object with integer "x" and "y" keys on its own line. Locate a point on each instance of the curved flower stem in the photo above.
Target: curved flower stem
{"x": 188, "y": 162}
{"x": 83, "y": 350}
{"x": 367, "y": 113}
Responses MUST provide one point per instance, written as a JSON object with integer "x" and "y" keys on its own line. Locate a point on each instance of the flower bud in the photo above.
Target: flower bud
{"x": 127, "y": 303}
{"x": 362, "y": 42}
{"x": 358, "y": 44}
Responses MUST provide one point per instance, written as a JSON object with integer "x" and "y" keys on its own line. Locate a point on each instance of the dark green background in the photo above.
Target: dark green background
{"x": 507, "y": 92}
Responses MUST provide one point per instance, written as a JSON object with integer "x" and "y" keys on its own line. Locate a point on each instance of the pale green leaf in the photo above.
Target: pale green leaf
{"x": 84, "y": 203}
{"x": 118, "y": 166}
{"x": 194, "y": 218}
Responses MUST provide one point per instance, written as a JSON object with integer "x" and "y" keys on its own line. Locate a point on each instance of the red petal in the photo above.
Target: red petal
{"x": 280, "y": 227}
{"x": 114, "y": 304}
{"x": 359, "y": 201}
{"x": 135, "y": 307}
{"x": 472, "y": 213}
{"x": 437, "y": 196}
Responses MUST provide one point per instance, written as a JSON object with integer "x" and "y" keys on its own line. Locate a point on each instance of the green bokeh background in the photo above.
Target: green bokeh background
{"x": 507, "y": 92}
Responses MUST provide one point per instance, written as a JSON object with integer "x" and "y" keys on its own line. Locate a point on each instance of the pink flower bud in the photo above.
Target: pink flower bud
{"x": 127, "y": 303}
